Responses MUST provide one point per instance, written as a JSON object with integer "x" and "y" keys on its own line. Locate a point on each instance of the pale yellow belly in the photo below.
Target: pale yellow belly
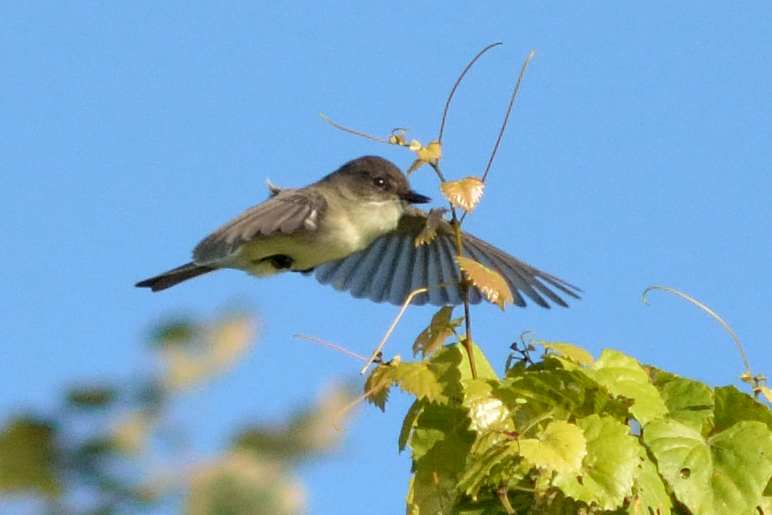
{"x": 336, "y": 238}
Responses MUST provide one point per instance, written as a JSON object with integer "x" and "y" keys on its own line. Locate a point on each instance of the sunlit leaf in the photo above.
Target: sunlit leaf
{"x": 569, "y": 351}
{"x": 429, "y": 154}
{"x": 429, "y": 231}
{"x": 765, "y": 506}
{"x": 378, "y": 383}
{"x": 409, "y": 423}
{"x": 561, "y": 447}
{"x": 734, "y": 406}
{"x": 606, "y": 475}
{"x": 463, "y": 193}
{"x": 766, "y": 392}
{"x": 724, "y": 474}
{"x": 490, "y": 283}
{"x": 650, "y": 495}
{"x": 440, "y": 443}
{"x": 439, "y": 330}
{"x": 689, "y": 402}
{"x": 28, "y": 457}
{"x": 624, "y": 376}
{"x": 481, "y": 467}
{"x": 397, "y": 137}
{"x": 419, "y": 380}
{"x": 487, "y": 413}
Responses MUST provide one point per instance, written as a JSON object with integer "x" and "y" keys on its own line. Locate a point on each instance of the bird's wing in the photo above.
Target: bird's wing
{"x": 285, "y": 212}
{"x": 393, "y": 266}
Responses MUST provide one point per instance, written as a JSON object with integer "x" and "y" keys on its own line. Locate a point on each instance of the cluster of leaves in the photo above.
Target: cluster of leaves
{"x": 111, "y": 448}
{"x": 572, "y": 434}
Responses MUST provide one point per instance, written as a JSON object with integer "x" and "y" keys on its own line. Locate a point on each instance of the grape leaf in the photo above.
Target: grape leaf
{"x": 724, "y": 474}
{"x": 463, "y": 193}
{"x": 734, "y": 406}
{"x": 571, "y": 352}
{"x": 624, "y": 376}
{"x": 490, "y": 283}
{"x": 649, "y": 492}
{"x": 439, "y": 330}
{"x": 561, "y": 447}
{"x": 429, "y": 154}
{"x": 429, "y": 231}
{"x": 418, "y": 379}
{"x": 608, "y": 469}
{"x": 378, "y": 383}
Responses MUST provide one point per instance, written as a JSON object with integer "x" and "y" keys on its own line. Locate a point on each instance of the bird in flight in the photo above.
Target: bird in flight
{"x": 356, "y": 229}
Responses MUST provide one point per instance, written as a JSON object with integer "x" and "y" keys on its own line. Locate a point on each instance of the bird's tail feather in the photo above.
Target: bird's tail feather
{"x": 174, "y": 276}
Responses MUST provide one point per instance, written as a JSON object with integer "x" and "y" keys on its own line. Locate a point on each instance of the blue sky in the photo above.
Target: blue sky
{"x": 639, "y": 153}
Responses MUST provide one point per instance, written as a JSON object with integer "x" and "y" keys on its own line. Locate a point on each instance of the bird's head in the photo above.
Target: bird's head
{"x": 375, "y": 179}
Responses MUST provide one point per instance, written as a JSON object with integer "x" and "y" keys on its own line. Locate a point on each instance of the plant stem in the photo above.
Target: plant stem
{"x": 464, "y": 283}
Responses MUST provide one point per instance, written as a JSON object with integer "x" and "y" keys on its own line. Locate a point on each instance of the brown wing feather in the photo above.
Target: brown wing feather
{"x": 285, "y": 212}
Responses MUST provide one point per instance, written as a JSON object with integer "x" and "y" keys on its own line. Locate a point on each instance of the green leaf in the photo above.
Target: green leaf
{"x": 378, "y": 383}
{"x": 624, "y": 376}
{"x": 765, "y": 506}
{"x": 418, "y": 379}
{"x": 486, "y": 411}
{"x": 181, "y": 331}
{"x": 608, "y": 469}
{"x": 733, "y": 406}
{"x": 689, "y": 402}
{"x": 562, "y": 393}
{"x": 440, "y": 442}
{"x": 439, "y": 330}
{"x": 571, "y": 352}
{"x": 28, "y": 457}
{"x": 430, "y": 494}
{"x": 409, "y": 423}
{"x": 561, "y": 447}
{"x": 724, "y": 474}
{"x": 649, "y": 491}
{"x": 91, "y": 397}
{"x": 477, "y": 473}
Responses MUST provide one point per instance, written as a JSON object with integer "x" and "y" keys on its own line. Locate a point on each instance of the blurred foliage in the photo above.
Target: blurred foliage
{"x": 93, "y": 456}
{"x": 573, "y": 434}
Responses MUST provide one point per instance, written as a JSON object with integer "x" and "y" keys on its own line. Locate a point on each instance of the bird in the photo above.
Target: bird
{"x": 356, "y": 229}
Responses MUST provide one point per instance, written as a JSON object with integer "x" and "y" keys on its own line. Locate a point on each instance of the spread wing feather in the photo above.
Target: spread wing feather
{"x": 392, "y": 266}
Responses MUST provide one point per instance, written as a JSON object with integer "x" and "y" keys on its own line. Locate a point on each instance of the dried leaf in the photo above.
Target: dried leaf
{"x": 439, "y": 330}
{"x": 398, "y": 137}
{"x": 429, "y": 232}
{"x": 431, "y": 154}
{"x": 490, "y": 283}
{"x": 464, "y": 193}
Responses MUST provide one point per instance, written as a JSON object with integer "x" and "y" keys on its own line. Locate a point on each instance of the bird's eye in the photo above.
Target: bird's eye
{"x": 379, "y": 182}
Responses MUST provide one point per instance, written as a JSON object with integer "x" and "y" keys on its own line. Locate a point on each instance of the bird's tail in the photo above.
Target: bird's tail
{"x": 174, "y": 276}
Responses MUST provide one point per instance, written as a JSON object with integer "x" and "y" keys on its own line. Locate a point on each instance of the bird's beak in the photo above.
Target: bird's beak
{"x": 414, "y": 198}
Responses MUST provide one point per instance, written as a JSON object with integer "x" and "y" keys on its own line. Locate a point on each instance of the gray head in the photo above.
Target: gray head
{"x": 375, "y": 178}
